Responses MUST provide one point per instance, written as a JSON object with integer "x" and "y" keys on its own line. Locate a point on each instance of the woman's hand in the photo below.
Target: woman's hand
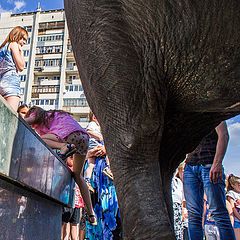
{"x": 98, "y": 151}
{"x": 17, "y": 56}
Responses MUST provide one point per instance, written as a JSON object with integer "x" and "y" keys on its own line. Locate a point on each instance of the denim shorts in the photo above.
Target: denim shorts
{"x": 10, "y": 84}
{"x": 236, "y": 224}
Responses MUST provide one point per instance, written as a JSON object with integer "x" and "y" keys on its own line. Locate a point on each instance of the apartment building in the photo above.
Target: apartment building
{"x": 50, "y": 78}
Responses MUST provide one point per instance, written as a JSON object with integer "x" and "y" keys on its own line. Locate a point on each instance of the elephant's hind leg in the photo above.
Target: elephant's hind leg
{"x": 140, "y": 192}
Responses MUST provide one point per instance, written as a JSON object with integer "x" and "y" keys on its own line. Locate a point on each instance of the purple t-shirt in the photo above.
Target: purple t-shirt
{"x": 62, "y": 125}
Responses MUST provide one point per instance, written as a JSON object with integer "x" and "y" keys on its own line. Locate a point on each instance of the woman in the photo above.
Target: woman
{"x": 11, "y": 63}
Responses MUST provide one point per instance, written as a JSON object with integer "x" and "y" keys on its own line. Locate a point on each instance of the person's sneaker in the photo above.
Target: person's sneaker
{"x": 90, "y": 188}
{"x": 107, "y": 171}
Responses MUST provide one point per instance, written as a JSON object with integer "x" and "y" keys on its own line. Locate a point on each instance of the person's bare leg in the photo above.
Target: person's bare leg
{"x": 65, "y": 231}
{"x": 107, "y": 160}
{"x": 89, "y": 170}
{"x": 78, "y": 162}
{"x": 237, "y": 233}
{"x": 74, "y": 231}
{"x": 53, "y": 142}
{"x": 13, "y": 101}
{"x": 81, "y": 234}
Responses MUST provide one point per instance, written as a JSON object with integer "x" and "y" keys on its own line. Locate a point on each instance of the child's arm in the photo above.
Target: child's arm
{"x": 18, "y": 58}
{"x": 235, "y": 212}
{"x": 95, "y": 135}
{"x": 230, "y": 211}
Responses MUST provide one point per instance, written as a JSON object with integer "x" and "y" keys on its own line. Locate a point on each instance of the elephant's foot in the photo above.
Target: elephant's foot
{"x": 142, "y": 203}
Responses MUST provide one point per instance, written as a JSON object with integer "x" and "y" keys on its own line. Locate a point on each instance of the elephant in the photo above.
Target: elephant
{"x": 159, "y": 75}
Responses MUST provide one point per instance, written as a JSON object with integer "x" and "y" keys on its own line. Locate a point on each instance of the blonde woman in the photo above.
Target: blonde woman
{"x": 233, "y": 196}
{"x": 11, "y": 63}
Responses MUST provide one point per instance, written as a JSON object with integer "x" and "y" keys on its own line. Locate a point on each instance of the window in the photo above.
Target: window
{"x": 28, "y": 28}
{"x": 84, "y": 119}
{"x": 75, "y": 102}
{"x": 29, "y": 40}
{"x": 42, "y": 78}
{"x": 72, "y": 77}
{"x": 53, "y": 37}
{"x": 25, "y": 53}
{"x": 21, "y": 91}
{"x": 74, "y": 88}
{"x": 23, "y": 78}
{"x": 48, "y": 63}
{"x": 56, "y": 77}
{"x": 41, "y": 102}
{"x": 26, "y": 64}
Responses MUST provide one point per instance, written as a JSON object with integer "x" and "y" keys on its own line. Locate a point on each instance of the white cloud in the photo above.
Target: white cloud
{"x": 232, "y": 158}
{"x": 19, "y": 5}
{"x": 234, "y": 132}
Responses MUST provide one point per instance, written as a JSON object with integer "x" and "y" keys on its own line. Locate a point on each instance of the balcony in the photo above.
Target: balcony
{"x": 38, "y": 69}
{"x": 51, "y": 25}
{"x": 47, "y": 69}
{"x": 36, "y": 90}
{"x": 71, "y": 69}
{"x": 70, "y": 52}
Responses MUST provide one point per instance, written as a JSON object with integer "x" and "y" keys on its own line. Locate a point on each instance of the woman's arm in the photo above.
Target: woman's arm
{"x": 230, "y": 211}
{"x": 94, "y": 135}
{"x": 235, "y": 212}
{"x": 18, "y": 58}
{"x": 96, "y": 152}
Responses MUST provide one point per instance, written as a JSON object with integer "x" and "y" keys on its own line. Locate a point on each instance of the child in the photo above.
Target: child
{"x": 233, "y": 196}
{"x": 60, "y": 131}
{"x": 22, "y": 110}
{"x": 95, "y": 141}
{"x": 12, "y": 62}
{"x": 177, "y": 197}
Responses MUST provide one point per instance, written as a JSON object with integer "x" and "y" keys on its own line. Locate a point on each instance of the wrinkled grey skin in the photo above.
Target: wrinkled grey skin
{"x": 159, "y": 75}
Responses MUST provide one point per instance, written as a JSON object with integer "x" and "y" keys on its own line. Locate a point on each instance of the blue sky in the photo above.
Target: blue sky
{"x": 17, "y": 6}
{"x": 232, "y": 158}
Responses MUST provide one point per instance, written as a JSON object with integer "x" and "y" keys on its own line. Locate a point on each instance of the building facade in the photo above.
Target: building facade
{"x": 50, "y": 78}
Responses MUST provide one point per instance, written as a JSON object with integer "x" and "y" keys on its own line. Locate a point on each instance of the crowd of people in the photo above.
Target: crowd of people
{"x": 205, "y": 201}
{"x": 82, "y": 149}
{"x": 204, "y": 206}
{"x": 95, "y": 215}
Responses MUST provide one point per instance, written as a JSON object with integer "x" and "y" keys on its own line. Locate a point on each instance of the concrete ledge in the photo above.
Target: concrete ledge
{"x": 26, "y": 215}
{"x": 25, "y": 158}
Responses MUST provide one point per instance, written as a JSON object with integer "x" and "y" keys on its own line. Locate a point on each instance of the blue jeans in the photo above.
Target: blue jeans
{"x": 196, "y": 182}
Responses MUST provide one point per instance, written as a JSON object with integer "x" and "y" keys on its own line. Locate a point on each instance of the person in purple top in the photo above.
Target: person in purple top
{"x": 60, "y": 131}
